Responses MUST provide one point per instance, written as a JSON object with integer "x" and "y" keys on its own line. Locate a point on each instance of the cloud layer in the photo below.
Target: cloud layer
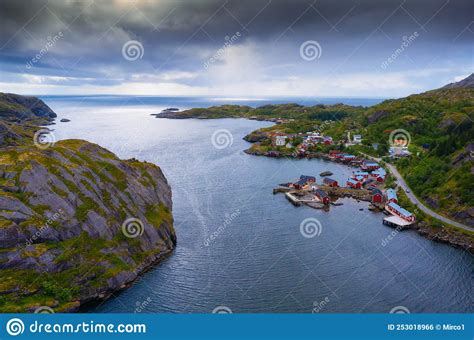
{"x": 234, "y": 48}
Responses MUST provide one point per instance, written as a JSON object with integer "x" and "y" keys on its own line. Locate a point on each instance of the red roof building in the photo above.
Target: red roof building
{"x": 376, "y": 196}
{"x": 370, "y": 165}
{"x": 327, "y": 140}
{"x": 397, "y": 210}
{"x": 330, "y": 182}
{"x": 360, "y": 173}
{"x": 391, "y": 196}
{"x": 335, "y": 154}
{"x": 322, "y": 196}
{"x": 352, "y": 183}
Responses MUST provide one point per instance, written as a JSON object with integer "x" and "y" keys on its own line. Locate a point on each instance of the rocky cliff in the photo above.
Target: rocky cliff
{"x": 76, "y": 222}
{"x": 16, "y": 107}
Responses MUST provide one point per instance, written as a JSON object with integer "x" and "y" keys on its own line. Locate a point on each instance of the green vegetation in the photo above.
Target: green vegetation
{"x": 287, "y": 111}
{"x": 437, "y": 124}
{"x": 156, "y": 214}
{"x": 224, "y": 111}
{"x": 80, "y": 177}
{"x": 440, "y": 125}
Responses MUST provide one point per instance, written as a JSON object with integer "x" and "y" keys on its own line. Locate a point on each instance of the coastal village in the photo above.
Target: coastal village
{"x": 366, "y": 183}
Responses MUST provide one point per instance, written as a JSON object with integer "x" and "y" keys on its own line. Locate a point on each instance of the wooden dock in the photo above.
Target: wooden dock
{"x": 280, "y": 190}
{"x": 293, "y": 199}
{"x": 396, "y": 222}
{"x": 299, "y": 197}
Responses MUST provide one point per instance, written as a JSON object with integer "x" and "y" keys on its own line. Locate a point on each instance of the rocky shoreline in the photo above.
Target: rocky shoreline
{"x": 312, "y": 155}
{"x": 443, "y": 235}
{"x": 120, "y": 285}
{"x": 77, "y": 224}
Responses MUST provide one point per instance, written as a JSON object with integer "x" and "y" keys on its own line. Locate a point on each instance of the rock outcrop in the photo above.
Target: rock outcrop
{"x": 16, "y": 107}
{"x": 76, "y": 222}
{"x": 466, "y": 83}
{"x": 376, "y": 116}
{"x": 445, "y": 235}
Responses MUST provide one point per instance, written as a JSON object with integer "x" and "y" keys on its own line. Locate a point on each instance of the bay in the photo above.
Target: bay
{"x": 258, "y": 260}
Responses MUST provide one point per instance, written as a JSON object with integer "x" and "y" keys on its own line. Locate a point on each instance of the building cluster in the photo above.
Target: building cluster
{"x": 341, "y": 156}
{"x": 359, "y": 179}
{"x": 368, "y": 176}
{"x": 309, "y": 139}
{"x": 308, "y": 183}
{"x": 312, "y": 138}
{"x": 303, "y": 183}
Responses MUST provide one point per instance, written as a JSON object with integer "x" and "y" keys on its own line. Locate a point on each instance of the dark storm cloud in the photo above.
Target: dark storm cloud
{"x": 182, "y": 35}
{"x": 172, "y": 22}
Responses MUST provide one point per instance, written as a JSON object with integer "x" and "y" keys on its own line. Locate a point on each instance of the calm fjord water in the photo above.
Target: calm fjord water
{"x": 259, "y": 261}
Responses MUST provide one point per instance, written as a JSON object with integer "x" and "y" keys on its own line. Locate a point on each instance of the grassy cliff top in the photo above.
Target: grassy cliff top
{"x": 76, "y": 222}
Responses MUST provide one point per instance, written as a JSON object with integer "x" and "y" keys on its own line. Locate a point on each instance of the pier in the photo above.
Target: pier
{"x": 396, "y": 222}
{"x": 293, "y": 199}
{"x": 307, "y": 196}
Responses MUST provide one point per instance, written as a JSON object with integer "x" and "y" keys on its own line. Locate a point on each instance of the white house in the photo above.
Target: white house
{"x": 399, "y": 151}
{"x": 357, "y": 139}
{"x": 280, "y": 140}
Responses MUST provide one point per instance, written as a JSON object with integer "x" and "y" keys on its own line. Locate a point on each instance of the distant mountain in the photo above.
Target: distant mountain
{"x": 465, "y": 83}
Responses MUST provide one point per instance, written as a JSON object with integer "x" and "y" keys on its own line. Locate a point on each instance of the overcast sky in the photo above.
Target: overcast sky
{"x": 253, "y": 48}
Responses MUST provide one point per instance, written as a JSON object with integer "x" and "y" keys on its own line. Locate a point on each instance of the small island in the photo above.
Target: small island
{"x": 326, "y": 173}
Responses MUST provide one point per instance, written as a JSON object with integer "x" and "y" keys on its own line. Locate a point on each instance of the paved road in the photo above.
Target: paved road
{"x": 401, "y": 182}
